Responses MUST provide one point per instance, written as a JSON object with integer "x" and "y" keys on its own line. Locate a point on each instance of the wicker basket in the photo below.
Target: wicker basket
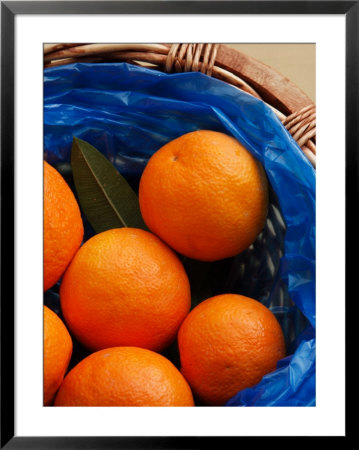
{"x": 295, "y": 110}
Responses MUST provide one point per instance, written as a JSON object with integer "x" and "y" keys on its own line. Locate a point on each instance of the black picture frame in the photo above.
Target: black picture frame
{"x": 9, "y": 10}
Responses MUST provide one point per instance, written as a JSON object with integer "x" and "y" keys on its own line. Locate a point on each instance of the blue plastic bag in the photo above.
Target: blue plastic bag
{"x": 128, "y": 112}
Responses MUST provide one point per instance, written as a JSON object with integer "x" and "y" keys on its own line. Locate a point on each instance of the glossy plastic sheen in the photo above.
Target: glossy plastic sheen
{"x": 128, "y": 113}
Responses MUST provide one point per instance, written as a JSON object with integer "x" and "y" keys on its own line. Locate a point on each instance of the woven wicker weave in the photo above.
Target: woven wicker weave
{"x": 291, "y": 105}
{"x": 295, "y": 110}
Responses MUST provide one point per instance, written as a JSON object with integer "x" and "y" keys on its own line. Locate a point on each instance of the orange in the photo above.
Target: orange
{"x": 57, "y": 353}
{"x": 124, "y": 376}
{"x": 125, "y": 287}
{"x": 205, "y": 195}
{"x": 63, "y": 228}
{"x": 228, "y": 343}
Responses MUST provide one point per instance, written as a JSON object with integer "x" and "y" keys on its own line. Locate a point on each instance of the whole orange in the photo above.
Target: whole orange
{"x": 124, "y": 376}
{"x": 125, "y": 287}
{"x": 205, "y": 195}
{"x": 57, "y": 353}
{"x": 228, "y": 343}
{"x": 63, "y": 228}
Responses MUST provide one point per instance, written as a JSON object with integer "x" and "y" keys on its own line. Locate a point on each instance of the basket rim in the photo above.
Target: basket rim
{"x": 292, "y": 106}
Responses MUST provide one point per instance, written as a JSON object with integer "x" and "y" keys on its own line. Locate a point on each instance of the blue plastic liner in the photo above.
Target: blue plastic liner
{"x": 128, "y": 112}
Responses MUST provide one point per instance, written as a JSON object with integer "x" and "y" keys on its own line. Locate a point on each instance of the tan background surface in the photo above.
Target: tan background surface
{"x": 294, "y": 61}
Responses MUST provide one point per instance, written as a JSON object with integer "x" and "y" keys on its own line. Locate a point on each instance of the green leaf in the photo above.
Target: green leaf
{"x": 105, "y": 197}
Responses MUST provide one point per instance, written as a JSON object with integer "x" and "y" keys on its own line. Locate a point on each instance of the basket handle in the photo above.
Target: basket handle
{"x": 302, "y": 126}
